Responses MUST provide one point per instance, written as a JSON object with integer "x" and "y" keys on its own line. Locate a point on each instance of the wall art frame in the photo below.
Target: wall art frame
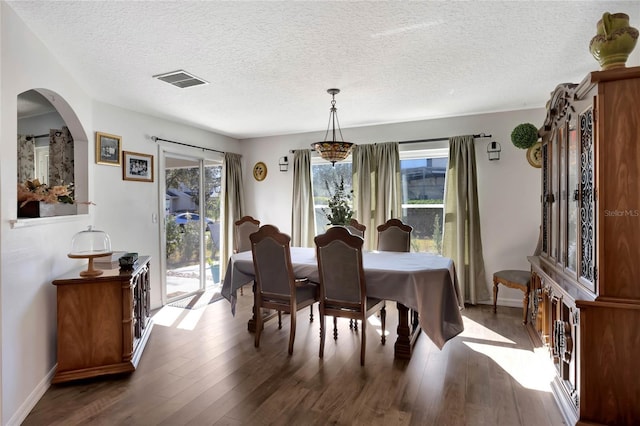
{"x": 108, "y": 149}
{"x": 137, "y": 166}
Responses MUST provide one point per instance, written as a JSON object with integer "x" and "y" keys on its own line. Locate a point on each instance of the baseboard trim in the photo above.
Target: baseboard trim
{"x": 33, "y": 398}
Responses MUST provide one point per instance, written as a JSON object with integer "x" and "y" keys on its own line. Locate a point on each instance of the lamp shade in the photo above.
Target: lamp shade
{"x": 333, "y": 151}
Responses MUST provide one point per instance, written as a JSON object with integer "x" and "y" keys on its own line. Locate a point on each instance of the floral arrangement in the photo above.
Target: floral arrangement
{"x": 33, "y": 190}
{"x": 340, "y": 211}
{"x": 524, "y": 135}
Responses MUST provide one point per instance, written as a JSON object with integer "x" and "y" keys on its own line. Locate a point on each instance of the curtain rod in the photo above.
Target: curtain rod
{"x": 156, "y": 139}
{"x": 29, "y": 137}
{"x": 479, "y": 135}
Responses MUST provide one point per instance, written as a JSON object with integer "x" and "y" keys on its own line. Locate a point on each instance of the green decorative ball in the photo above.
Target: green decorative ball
{"x": 524, "y": 135}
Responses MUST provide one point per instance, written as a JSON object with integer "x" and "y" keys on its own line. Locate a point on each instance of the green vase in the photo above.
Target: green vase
{"x": 614, "y": 41}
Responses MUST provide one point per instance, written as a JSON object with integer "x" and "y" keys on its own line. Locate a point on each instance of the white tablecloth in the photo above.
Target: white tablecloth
{"x": 424, "y": 282}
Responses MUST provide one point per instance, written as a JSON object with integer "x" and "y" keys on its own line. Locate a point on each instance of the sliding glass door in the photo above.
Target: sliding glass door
{"x": 191, "y": 224}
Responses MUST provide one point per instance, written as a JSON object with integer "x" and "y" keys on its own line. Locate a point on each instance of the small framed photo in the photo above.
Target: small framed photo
{"x": 108, "y": 148}
{"x": 136, "y": 166}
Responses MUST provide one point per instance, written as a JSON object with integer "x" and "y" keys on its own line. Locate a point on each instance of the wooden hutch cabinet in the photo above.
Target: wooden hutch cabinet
{"x": 585, "y": 304}
{"x": 103, "y": 322}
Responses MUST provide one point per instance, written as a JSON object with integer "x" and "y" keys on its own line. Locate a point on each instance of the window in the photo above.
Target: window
{"x": 423, "y": 175}
{"x": 422, "y": 184}
{"x": 324, "y": 178}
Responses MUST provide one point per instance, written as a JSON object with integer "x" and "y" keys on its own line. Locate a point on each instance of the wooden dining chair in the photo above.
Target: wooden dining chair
{"x": 343, "y": 290}
{"x": 244, "y": 227}
{"x": 393, "y": 235}
{"x": 276, "y": 286}
{"x": 356, "y": 228}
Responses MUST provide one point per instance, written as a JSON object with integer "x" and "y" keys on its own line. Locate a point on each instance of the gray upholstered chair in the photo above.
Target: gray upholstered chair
{"x": 356, "y": 228}
{"x": 343, "y": 290}
{"x": 393, "y": 235}
{"x": 276, "y": 286}
{"x": 244, "y": 227}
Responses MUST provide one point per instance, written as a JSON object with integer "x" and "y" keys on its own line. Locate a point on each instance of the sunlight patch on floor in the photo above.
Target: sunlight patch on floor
{"x": 167, "y": 316}
{"x": 183, "y": 319}
{"x": 375, "y": 322}
{"x": 526, "y": 367}
{"x": 473, "y": 329}
{"x": 191, "y": 319}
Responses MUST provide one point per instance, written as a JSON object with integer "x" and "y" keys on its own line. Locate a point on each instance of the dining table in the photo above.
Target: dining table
{"x": 424, "y": 283}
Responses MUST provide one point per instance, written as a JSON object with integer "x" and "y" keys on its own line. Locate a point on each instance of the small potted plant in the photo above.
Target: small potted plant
{"x": 339, "y": 212}
{"x": 524, "y": 135}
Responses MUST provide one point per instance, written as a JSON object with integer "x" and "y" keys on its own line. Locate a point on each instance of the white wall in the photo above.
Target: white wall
{"x": 124, "y": 209}
{"x": 32, "y": 256}
{"x": 508, "y": 189}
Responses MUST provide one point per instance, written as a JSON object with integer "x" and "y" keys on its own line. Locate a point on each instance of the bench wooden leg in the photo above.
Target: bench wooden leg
{"x": 495, "y": 295}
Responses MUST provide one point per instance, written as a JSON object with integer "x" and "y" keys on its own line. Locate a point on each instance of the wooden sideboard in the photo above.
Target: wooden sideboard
{"x": 103, "y": 322}
{"x": 585, "y": 295}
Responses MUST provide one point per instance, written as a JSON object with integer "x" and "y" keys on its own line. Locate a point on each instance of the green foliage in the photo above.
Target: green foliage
{"x": 325, "y": 176}
{"x": 437, "y": 234}
{"x": 340, "y": 211}
{"x": 174, "y": 236}
{"x": 189, "y": 179}
{"x": 524, "y": 135}
{"x": 429, "y": 201}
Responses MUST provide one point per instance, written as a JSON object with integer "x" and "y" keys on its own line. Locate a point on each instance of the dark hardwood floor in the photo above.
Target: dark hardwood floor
{"x": 200, "y": 368}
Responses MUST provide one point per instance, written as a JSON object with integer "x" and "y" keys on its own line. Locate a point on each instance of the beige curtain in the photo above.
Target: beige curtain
{"x": 376, "y": 187}
{"x": 461, "y": 240}
{"x": 233, "y": 206}
{"x": 302, "y": 212}
{"x": 26, "y": 158}
{"x": 61, "y": 157}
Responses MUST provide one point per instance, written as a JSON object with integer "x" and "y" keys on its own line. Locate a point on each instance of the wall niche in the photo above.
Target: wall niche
{"x": 52, "y": 160}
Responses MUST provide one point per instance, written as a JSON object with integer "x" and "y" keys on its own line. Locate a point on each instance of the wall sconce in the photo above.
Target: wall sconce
{"x": 284, "y": 164}
{"x": 493, "y": 151}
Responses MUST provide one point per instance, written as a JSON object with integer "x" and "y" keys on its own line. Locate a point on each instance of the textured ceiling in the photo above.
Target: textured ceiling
{"x": 269, "y": 64}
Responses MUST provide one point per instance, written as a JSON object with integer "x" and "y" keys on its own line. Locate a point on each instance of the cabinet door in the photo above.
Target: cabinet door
{"x": 573, "y": 190}
{"x": 554, "y": 191}
{"x": 587, "y": 267}
{"x": 562, "y": 194}
{"x": 546, "y": 205}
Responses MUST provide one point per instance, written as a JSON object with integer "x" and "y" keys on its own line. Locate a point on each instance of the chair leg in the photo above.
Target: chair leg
{"x": 335, "y": 328}
{"x": 355, "y": 325}
{"x": 383, "y": 320}
{"x": 311, "y": 313}
{"x": 495, "y": 295}
{"x": 525, "y": 307}
{"x": 241, "y": 291}
{"x": 292, "y": 333}
{"x": 322, "y": 333}
{"x": 363, "y": 343}
{"x": 279, "y": 320}
{"x": 258, "y": 326}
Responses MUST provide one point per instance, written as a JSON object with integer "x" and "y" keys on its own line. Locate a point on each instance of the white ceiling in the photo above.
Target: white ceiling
{"x": 269, "y": 63}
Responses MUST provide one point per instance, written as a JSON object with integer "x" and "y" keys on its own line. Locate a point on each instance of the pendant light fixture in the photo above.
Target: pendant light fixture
{"x": 333, "y": 150}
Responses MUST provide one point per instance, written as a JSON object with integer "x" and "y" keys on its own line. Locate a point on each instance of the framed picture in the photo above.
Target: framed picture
{"x": 108, "y": 148}
{"x": 136, "y": 166}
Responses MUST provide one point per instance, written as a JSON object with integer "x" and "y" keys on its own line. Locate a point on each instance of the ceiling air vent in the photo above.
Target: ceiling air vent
{"x": 180, "y": 79}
